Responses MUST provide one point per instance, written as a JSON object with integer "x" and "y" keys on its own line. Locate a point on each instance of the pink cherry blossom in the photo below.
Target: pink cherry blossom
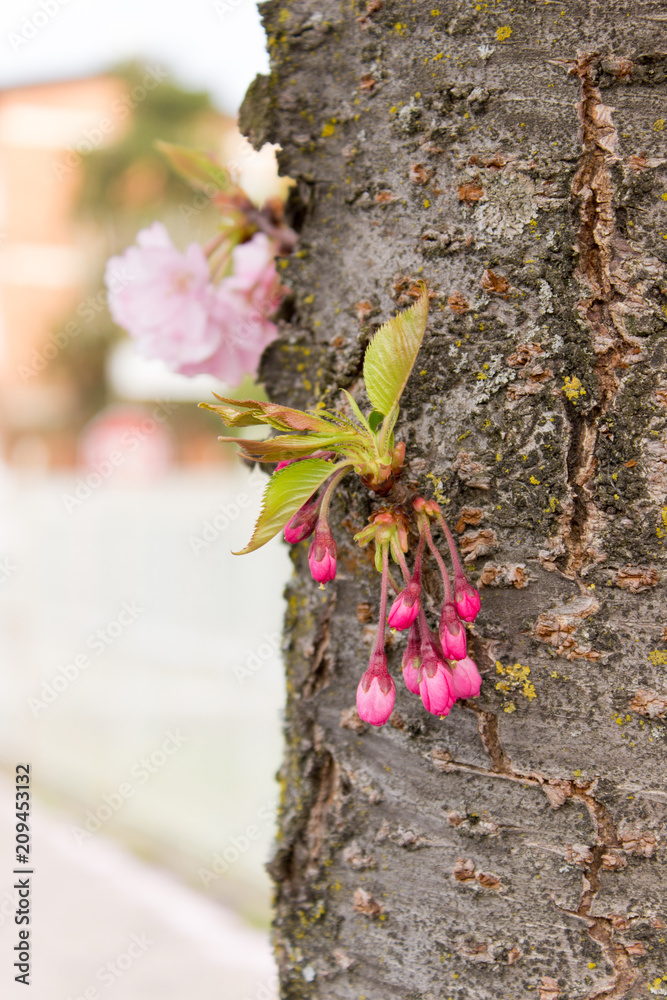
{"x": 254, "y": 273}
{"x": 466, "y": 681}
{"x": 163, "y": 298}
{"x": 168, "y": 303}
{"x": 243, "y": 302}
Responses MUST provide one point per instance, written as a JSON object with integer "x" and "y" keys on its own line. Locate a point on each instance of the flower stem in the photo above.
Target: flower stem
{"x": 400, "y": 559}
{"x": 379, "y": 645}
{"x": 417, "y": 574}
{"x": 440, "y": 561}
{"x": 328, "y": 493}
{"x": 424, "y": 631}
{"x": 458, "y": 569}
{"x": 213, "y": 244}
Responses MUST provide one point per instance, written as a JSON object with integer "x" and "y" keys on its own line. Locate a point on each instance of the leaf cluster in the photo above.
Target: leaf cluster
{"x": 320, "y": 444}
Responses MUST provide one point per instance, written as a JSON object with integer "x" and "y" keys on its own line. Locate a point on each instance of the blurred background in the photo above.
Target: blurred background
{"x": 141, "y": 662}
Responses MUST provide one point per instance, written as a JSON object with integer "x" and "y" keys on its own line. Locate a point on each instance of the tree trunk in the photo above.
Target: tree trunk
{"x": 510, "y": 157}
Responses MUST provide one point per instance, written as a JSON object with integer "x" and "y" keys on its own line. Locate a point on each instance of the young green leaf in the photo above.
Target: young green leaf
{"x": 387, "y": 439}
{"x": 198, "y": 169}
{"x": 286, "y": 492}
{"x": 392, "y": 353}
{"x": 355, "y": 409}
{"x": 375, "y": 419}
{"x": 286, "y": 446}
{"x": 253, "y": 413}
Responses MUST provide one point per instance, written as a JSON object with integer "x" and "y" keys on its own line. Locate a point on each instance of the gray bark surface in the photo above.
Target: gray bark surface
{"x": 512, "y": 157}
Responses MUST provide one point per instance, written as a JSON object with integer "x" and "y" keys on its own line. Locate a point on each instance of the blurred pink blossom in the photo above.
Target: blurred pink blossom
{"x": 169, "y": 305}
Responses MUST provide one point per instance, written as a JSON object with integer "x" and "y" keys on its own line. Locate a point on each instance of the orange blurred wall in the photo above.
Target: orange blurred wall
{"x": 44, "y": 260}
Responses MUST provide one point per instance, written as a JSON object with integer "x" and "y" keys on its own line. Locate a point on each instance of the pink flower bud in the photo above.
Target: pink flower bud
{"x": 466, "y": 680}
{"x": 322, "y": 555}
{"x": 435, "y": 690}
{"x": 405, "y": 608}
{"x": 466, "y": 599}
{"x": 376, "y": 692}
{"x": 435, "y": 685}
{"x": 412, "y": 662}
{"x": 303, "y": 523}
{"x": 452, "y": 633}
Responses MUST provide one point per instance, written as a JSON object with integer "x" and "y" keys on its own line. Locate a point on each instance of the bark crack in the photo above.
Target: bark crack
{"x": 612, "y": 295}
{"x": 558, "y": 790}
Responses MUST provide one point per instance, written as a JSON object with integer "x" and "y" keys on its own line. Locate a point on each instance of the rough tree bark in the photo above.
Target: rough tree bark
{"x": 511, "y": 157}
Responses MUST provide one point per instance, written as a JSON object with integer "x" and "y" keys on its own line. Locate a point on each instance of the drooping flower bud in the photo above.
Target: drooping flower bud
{"x": 435, "y": 685}
{"x": 304, "y": 522}
{"x": 452, "y": 633}
{"x": 405, "y": 608}
{"x": 435, "y": 689}
{"x": 412, "y": 661}
{"x": 322, "y": 554}
{"x": 376, "y": 692}
{"x": 466, "y": 599}
{"x": 466, "y": 680}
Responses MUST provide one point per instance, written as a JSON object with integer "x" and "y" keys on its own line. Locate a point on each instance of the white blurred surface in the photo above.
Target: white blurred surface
{"x": 105, "y": 925}
{"x": 214, "y": 45}
{"x": 197, "y": 656}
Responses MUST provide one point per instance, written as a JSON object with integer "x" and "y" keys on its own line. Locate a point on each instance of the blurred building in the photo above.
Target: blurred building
{"x": 83, "y": 534}
{"x": 55, "y": 333}
{"x": 44, "y": 263}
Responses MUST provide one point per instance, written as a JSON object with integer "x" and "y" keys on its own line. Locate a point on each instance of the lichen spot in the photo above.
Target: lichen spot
{"x": 573, "y": 388}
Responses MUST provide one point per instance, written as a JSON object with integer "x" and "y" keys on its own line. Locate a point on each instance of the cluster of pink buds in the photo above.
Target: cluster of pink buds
{"x": 314, "y": 451}
{"x": 435, "y": 664}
